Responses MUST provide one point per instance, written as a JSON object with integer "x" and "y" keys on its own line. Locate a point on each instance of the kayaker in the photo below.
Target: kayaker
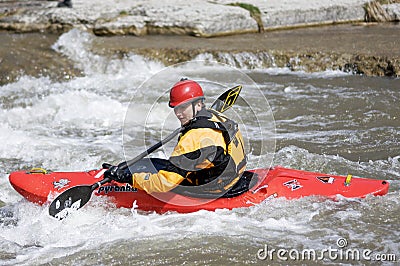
{"x": 209, "y": 157}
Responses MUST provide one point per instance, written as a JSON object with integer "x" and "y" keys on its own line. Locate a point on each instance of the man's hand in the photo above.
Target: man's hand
{"x": 121, "y": 176}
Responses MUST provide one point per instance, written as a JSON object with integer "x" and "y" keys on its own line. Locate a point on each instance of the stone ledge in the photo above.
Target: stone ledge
{"x": 179, "y": 17}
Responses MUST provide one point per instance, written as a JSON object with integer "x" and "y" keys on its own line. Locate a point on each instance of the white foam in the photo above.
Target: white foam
{"x": 76, "y": 44}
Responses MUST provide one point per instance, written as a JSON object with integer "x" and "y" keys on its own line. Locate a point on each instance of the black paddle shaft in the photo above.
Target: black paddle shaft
{"x": 149, "y": 150}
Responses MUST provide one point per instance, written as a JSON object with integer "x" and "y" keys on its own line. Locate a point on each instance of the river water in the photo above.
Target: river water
{"x": 331, "y": 122}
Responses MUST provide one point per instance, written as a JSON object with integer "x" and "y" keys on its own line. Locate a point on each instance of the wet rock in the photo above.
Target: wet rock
{"x": 375, "y": 12}
{"x": 122, "y": 25}
{"x": 393, "y": 11}
{"x": 342, "y": 47}
{"x": 278, "y": 14}
{"x": 197, "y": 18}
{"x": 294, "y": 60}
{"x": 180, "y": 17}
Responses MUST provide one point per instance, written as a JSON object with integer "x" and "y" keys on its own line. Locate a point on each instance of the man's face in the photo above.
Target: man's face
{"x": 184, "y": 112}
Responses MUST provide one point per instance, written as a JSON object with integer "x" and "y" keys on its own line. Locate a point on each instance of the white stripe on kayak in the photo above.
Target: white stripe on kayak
{"x": 100, "y": 174}
{"x": 259, "y": 188}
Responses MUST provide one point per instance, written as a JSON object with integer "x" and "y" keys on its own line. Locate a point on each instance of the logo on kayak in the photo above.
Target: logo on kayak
{"x": 326, "y": 179}
{"x": 107, "y": 189}
{"x": 61, "y": 183}
{"x": 293, "y": 184}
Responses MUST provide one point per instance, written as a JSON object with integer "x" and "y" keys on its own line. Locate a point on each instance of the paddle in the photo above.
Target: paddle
{"x": 76, "y": 197}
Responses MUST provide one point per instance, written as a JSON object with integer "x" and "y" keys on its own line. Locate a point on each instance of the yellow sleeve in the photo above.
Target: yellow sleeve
{"x": 193, "y": 140}
{"x": 162, "y": 181}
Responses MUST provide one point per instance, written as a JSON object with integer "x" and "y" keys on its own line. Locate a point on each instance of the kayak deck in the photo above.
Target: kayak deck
{"x": 41, "y": 187}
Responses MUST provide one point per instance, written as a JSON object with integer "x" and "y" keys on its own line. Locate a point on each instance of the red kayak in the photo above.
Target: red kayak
{"x": 41, "y": 187}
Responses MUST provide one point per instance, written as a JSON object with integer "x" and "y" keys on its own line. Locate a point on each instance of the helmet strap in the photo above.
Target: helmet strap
{"x": 193, "y": 109}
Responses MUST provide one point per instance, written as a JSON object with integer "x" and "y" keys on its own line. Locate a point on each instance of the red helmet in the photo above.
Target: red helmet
{"x": 185, "y": 91}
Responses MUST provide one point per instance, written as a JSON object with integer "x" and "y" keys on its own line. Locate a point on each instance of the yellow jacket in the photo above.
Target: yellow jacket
{"x": 210, "y": 150}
